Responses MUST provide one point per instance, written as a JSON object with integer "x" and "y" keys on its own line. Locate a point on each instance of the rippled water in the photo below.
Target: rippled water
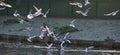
{"x": 39, "y": 51}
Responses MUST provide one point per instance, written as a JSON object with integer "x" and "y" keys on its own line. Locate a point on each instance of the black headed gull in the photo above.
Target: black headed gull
{"x": 89, "y": 48}
{"x": 19, "y": 17}
{"x": 42, "y": 32}
{"x": 30, "y": 15}
{"x": 86, "y": 2}
{"x": 5, "y": 4}
{"x": 80, "y": 5}
{"x": 50, "y": 33}
{"x": 49, "y": 45}
{"x": 83, "y": 13}
{"x": 72, "y": 23}
{"x": 39, "y": 11}
{"x": 112, "y": 13}
{"x": 64, "y": 39}
{"x": 16, "y": 14}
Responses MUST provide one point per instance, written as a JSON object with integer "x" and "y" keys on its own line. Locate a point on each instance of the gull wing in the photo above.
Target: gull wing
{"x": 47, "y": 11}
{"x": 30, "y": 11}
{"x": 66, "y": 35}
{"x": 73, "y": 21}
{"x": 117, "y": 11}
{"x": 35, "y": 8}
{"x": 87, "y": 10}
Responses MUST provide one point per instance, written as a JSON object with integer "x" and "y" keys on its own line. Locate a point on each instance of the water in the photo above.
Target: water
{"x": 39, "y": 51}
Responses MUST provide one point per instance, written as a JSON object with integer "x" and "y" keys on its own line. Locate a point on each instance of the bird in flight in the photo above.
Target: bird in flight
{"x": 72, "y": 23}
{"x": 80, "y": 5}
{"x": 83, "y": 13}
{"x": 112, "y": 13}
{"x": 4, "y": 4}
{"x": 30, "y": 15}
{"x": 19, "y": 17}
{"x": 89, "y": 48}
{"x": 87, "y": 2}
{"x": 39, "y": 11}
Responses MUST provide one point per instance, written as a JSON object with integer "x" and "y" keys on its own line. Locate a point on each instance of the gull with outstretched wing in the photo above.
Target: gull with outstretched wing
{"x": 83, "y": 13}
{"x": 87, "y": 2}
{"x": 72, "y": 23}
{"x": 5, "y": 4}
{"x": 80, "y": 5}
{"x": 39, "y": 11}
{"x": 112, "y": 13}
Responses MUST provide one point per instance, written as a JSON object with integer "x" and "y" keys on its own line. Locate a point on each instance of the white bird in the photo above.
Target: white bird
{"x": 64, "y": 39}
{"x": 45, "y": 15}
{"x": 66, "y": 36}
{"x": 42, "y": 32}
{"x": 83, "y": 13}
{"x": 86, "y": 2}
{"x": 29, "y": 29}
{"x": 72, "y": 23}
{"x": 16, "y": 14}
{"x": 30, "y": 15}
{"x": 112, "y": 13}
{"x": 80, "y": 5}
{"x": 39, "y": 11}
{"x": 61, "y": 45}
{"x": 3, "y": 8}
{"x": 49, "y": 45}
{"x": 29, "y": 39}
{"x": 41, "y": 35}
{"x": 5, "y": 4}
{"x": 19, "y": 17}
{"x": 50, "y": 33}
{"x": 89, "y": 48}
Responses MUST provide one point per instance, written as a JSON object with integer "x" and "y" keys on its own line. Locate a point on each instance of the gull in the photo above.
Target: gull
{"x": 45, "y": 15}
{"x": 61, "y": 45}
{"x": 29, "y": 29}
{"x": 76, "y": 4}
{"x": 2, "y": 8}
{"x": 42, "y": 32}
{"x": 30, "y": 15}
{"x": 64, "y": 39}
{"x": 50, "y": 33}
{"x": 5, "y": 4}
{"x": 83, "y": 13}
{"x": 30, "y": 37}
{"x": 16, "y": 14}
{"x": 39, "y": 11}
{"x": 49, "y": 45}
{"x": 41, "y": 35}
{"x": 112, "y": 13}
{"x": 89, "y": 48}
{"x": 72, "y": 23}
{"x": 86, "y": 2}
